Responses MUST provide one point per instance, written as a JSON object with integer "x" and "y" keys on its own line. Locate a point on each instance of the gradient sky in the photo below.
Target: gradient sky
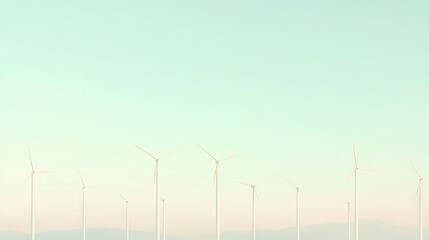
{"x": 286, "y": 85}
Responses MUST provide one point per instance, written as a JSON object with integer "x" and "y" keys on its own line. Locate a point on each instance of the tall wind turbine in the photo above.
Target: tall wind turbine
{"x": 419, "y": 191}
{"x": 216, "y": 181}
{"x": 163, "y": 218}
{"x": 253, "y": 187}
{"x": 355, "y": 172}
{"x": 33, "y": 216}
{"x": 127, "y": 229}
{"x": 156, "y": 182}
{"x": 83, "y": 207}
{"x": 297, "y": 208}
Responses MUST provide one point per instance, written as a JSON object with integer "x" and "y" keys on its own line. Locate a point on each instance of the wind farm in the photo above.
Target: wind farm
{"x": 254, "y": 197}
{"x": 318, "y": 108}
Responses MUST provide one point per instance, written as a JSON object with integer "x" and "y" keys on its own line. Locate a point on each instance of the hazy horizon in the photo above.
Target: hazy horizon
{"x": 332, "y": 231}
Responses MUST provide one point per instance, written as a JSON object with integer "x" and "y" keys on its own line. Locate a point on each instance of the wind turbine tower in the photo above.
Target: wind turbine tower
{"x": 297, "y": 208}
{"x": 84, "y": 187}
{"x": 348, "y": 219}
{"x": 127, "y": 229}
{"x": 163, "y": 218}
{"x": 254, "y": 194}
{"x": 419, "y": 192}
{"x": 33, "y": 215}
{"x": 216, "y": 182}
{"x": 156, "y": 182}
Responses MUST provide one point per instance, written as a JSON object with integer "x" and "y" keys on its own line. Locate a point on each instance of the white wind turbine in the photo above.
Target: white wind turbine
{"x": 297, "y": 208}
{"x": 83, "y": 207}
{"x": 419, "y": 191}
{"x": 254, "y": 193}
{"x": 156, "y": 182}
{"x": 127, "y": 229}
{"x": 216, "y": 181}
{"x": 355, "y": 171}
{"x": 33, "y": 217}
{"x": 163, "y": 218}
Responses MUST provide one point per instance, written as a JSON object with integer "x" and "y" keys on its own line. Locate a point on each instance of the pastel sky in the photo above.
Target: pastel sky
{"x": 286, "y": 85}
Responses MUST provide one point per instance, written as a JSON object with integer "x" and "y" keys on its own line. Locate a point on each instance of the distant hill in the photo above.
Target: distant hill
{"x": 331, "y": 231}
{"x": 91, "y": 234}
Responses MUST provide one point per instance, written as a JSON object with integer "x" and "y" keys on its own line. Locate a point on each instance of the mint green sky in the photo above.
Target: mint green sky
{"x": 286, "y": 85}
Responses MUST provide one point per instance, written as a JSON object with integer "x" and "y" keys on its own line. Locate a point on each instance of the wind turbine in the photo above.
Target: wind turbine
{"x": 355, "y": 172}
{"x": 163, "y": 218}
{"x": 419, "y": 191}
{"x": 33, "y": 216}
{"x": 126, "y": 217}
{"x": 254, "y": 193}
{"x": 83, "y": 207}
{"x": 297, "y": 208}
{"x": 156, "y": 182}
{"x": 216, "y": 181}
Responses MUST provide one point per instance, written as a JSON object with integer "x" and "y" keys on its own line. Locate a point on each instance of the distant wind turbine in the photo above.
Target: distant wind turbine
{"x": 216, "y": 181}
{"x": 156, "y": 182}
{"x": 33, "y": 217}
{"x": 127, "y": 230}
{"x": 297, "y": 208}
{"x": 254, "y": 193}
{"x": 419, "y": 191}
{"x": 83, "y": 207}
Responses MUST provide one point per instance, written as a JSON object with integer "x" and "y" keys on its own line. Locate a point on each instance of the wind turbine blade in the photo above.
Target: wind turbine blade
{"x": 229, "y": 158}
{"x": 291, "y": 183}
{"x": 354, "y": 155}
{"x": 155, "y": 173}
{"x": 208, "y": 153}
{"x": 169, "y": 154}
{"x": 92, "y": 186}
{"x": 26, "y": 179}
{"x": 367, "y": 170}
{"x": 215, "y": 174}
{"x": 351, "y": 174}
{"x": 244, "y": 184}
{"x": 81, "y": 179}
{"x": 418, "y": 189}
{"x": 43, "y": 172}
{"x": 141, "y": 149}
{"x": 257, "y": 195}
{"x": 122, "y": 197}
{"x": 31, "y": 161}
{"x": 414, "y": 166}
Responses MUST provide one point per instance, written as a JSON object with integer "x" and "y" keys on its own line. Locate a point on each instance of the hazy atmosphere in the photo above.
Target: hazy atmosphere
{"x": 286, "y": 86}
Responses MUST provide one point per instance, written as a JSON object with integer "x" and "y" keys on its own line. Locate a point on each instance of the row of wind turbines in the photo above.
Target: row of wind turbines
{"x": 216, "y": 183}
